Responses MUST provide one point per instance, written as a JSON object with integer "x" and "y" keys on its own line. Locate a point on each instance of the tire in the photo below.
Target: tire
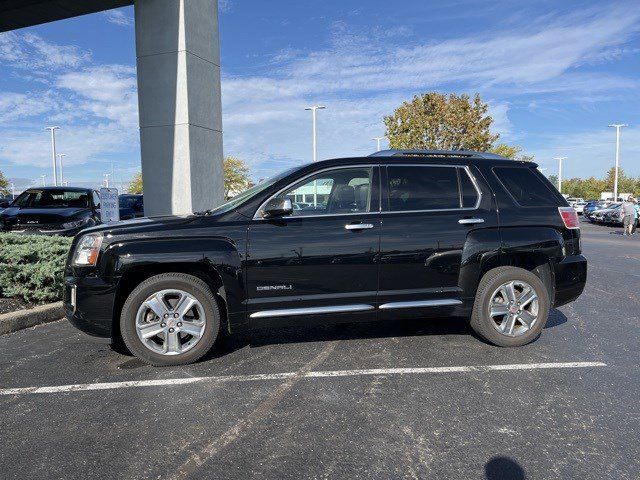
{"x": 489, "y": 327}
{"x": 204, "y": 312}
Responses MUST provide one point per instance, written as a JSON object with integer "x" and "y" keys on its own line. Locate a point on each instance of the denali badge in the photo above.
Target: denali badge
{"x": 261, "y": 288}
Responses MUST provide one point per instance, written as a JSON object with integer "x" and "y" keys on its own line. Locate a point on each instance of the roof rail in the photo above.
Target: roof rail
{"x": 435, "y": 153}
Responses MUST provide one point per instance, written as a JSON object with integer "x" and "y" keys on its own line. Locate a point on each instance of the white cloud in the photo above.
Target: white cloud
{"x": 80, "y": 143}
{"x": 14, "y": 106}
{"x": 31, "y": 51}
{"x": 118, "y": 17}
{"x": 107, "y": 91}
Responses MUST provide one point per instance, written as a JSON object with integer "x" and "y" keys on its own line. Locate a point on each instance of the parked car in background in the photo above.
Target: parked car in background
{"x": 592, "y": 206}
{"x": 52, "y": 211}
{"x": 609, "y": 215}
{"x": 131, "y": 206}
{"x": 579, "y": 207}
{"x": 402, "y": 234}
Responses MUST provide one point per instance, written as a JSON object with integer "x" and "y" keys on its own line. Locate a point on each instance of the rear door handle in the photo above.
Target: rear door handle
{"x": 470, "y": 221}
{"x": 358, "y": 226}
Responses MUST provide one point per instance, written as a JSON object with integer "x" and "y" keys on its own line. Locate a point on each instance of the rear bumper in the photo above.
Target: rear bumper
{"x": 88, "y": 304}
{"x": 571, "y": 277}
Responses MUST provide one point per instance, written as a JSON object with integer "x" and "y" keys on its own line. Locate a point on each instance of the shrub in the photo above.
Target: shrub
{"x": 32, "y": 267}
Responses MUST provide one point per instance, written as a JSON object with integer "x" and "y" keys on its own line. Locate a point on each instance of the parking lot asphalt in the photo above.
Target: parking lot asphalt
{"x": 411, "y": 399}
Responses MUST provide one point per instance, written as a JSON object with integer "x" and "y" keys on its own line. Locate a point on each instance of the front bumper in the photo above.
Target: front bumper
{"x": 88, "y": 304}
{"x": 571, "y": 277}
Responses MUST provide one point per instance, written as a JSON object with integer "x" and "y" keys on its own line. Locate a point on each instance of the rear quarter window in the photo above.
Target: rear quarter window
{"x": 526, "y": 188}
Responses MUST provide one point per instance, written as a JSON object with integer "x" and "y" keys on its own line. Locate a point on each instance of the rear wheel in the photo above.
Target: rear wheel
{"x": 511, "y": 307}
{"x": 170, "y": 319}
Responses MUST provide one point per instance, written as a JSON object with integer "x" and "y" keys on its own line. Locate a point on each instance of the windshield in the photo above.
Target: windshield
{"x": 51, "y": 198}
{"x": 247, "y": 194}
{"x": 128, "y": 202}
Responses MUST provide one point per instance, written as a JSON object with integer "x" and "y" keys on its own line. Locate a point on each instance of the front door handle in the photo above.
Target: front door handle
{"x": 470, "y": 221}
{"x": 358, "y": 226}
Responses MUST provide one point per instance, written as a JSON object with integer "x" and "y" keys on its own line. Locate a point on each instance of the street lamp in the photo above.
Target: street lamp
{"x": 60, "y": 157}
{"x": 44, "y": 184}
{"x": 617, "y": 126}
{"x": 313, "y": 109}
{"x": 53, "y": 153}
{"x": 377, "y": 139}
{"x": 106, "y": 179}
{"x": 560, "y": 159}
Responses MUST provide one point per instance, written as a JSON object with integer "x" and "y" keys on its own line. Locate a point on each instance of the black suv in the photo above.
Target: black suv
{"x": 397, "y": 234}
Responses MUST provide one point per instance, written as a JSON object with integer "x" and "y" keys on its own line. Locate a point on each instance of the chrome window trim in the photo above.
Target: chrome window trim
{"x": 420, "y": 303}
{"x": 286, "y": 312}
{"x": 461, "y": 167}
{"x": 257, "y": 216}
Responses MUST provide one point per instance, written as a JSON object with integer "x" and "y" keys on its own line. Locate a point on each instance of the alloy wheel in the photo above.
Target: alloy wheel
{"x": 513, "y": 308}
{"x": 170, "y": 322}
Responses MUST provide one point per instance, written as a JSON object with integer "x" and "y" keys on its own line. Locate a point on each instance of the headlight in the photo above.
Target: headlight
{"x": 70, "y": 225}
{"x": 87, "y": 250}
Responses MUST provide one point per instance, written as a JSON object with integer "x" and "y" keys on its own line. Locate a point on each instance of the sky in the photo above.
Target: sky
{"x": 554, "y": 74}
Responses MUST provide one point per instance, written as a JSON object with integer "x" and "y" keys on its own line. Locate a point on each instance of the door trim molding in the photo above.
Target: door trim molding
{"x": 286, "y": 312}
{"x": 420, "y": 303}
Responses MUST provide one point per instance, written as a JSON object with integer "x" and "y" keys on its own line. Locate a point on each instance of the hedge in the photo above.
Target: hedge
{"x": 32, "y": 267}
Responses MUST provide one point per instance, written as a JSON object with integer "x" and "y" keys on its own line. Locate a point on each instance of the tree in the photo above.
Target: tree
{"x": 435, "y": 121}
{"x": 4, "y": 185}
{"x": 514, "y": 152}
{"x": 236, "y": 176}
{"x": 135, "y": 185}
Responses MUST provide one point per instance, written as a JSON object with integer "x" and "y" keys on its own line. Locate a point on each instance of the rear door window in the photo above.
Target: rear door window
{"x": 426, "y": 187}
{"x": 526, "y": 188}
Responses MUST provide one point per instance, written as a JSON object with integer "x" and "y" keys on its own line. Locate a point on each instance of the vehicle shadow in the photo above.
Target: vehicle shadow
{"x": 503, "y": 468}
{"x": 228, "y": 344}
{"x": 360, "y": 330}
{"x": 556, "y": 318}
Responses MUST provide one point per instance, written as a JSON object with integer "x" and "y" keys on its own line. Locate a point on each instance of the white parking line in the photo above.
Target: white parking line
{"x": 281, "y": 376}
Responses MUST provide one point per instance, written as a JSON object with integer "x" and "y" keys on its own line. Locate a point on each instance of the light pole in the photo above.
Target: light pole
{"x": 60, "y": 157}
{"x": 106, "y": 179}
{"x": 313, "y": 109}
{"x": 617, "y": 126}
{"x": 13, "y": 191}
{"x": 53, "y": 153}
{"x": 44, "y": 184}
{"x": 377, "y": 139}
{"x": 560, "y": 159}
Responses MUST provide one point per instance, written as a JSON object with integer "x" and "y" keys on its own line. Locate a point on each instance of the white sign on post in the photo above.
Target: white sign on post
{"x": 109, "y": 205}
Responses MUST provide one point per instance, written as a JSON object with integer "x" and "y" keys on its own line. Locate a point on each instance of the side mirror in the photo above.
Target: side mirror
{"x": 277, "y": 207}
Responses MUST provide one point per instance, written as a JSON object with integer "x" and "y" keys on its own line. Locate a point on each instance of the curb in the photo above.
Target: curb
{"x": 18, "y": 320}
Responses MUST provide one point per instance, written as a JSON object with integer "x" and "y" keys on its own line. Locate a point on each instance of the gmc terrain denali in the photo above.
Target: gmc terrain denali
{"x": 397, "y": 234}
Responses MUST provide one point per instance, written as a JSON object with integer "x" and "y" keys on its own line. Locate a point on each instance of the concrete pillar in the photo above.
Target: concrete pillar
{"x": 178, "y": 58}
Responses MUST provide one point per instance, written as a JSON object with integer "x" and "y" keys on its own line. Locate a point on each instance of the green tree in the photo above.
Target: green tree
{"x": 4, "y": 185}
{"x": 513, "y": 152}
{"x": 236, "y": 176}
{"x": 135, "y": 185}
{"x": 434, "y": 121}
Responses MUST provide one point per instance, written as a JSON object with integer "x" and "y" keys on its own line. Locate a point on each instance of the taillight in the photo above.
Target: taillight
{"x": 569, "y": 217}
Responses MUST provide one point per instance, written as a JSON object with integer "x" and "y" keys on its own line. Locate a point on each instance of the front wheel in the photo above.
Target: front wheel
{"x": 170, "y": 319}
{"x": 511, "y": 307}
